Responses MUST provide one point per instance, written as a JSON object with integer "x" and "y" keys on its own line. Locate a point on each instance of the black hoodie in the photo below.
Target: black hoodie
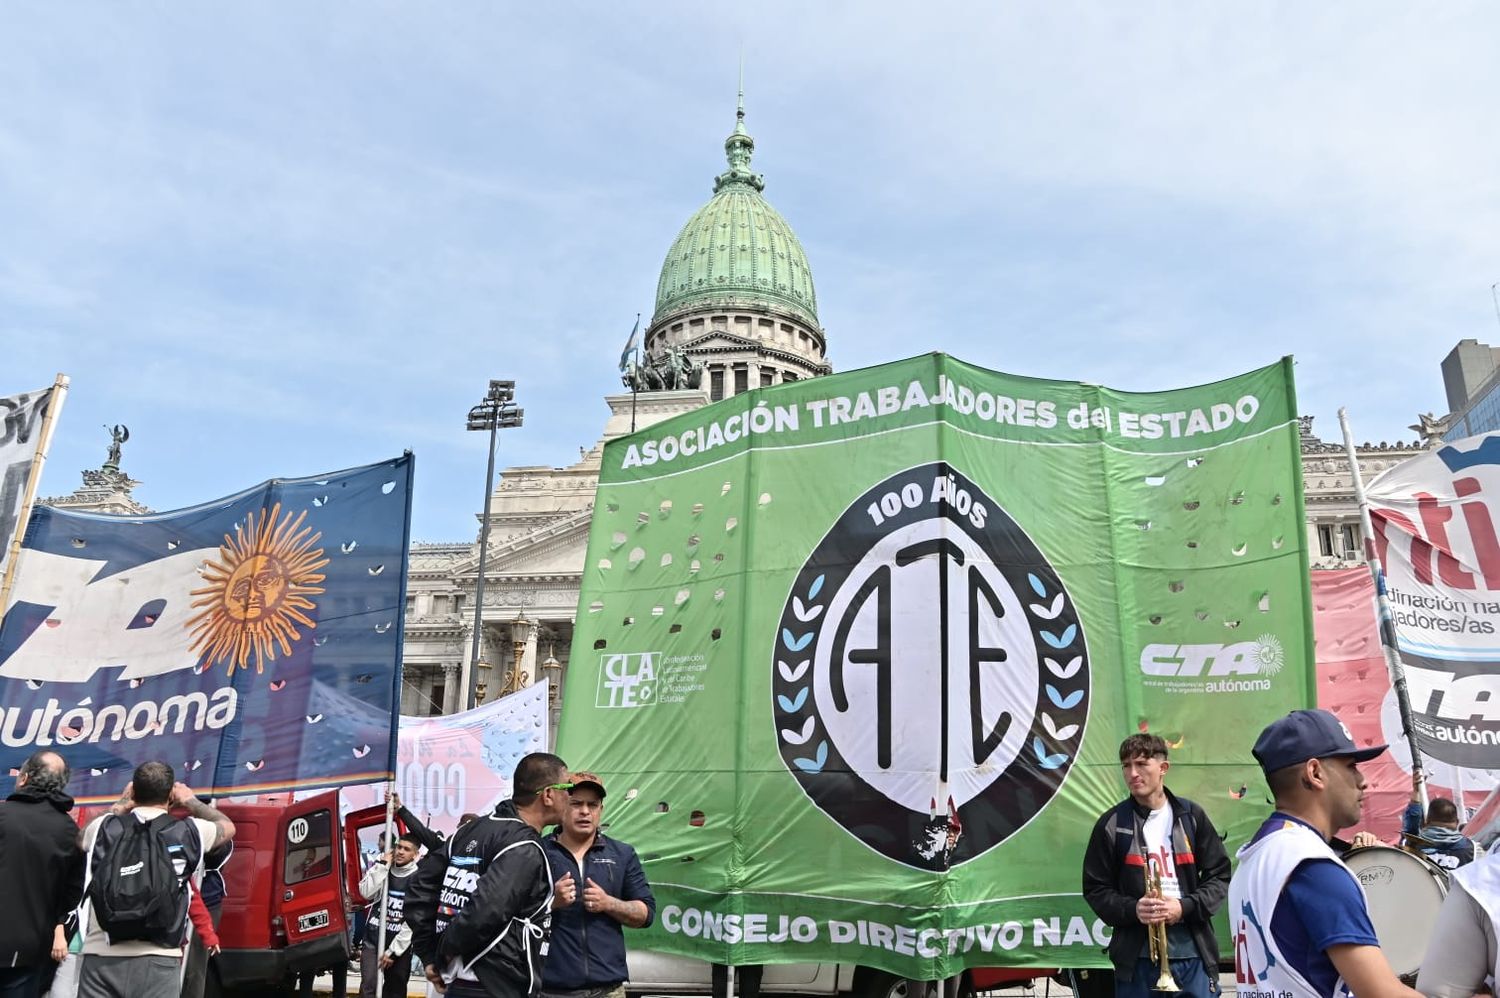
{"x": 41, "y": 867}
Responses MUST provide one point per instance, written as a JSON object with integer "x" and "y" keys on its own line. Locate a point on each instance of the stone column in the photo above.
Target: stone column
{"x": 466, "y": 640}
{"x": 452, "y": 692}
{"x": 528, "y": 657}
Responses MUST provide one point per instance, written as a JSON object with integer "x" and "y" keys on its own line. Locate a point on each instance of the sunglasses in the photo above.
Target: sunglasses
{"x": 556, "y": 786}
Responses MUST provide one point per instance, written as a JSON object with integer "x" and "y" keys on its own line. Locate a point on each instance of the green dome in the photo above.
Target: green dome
{"x": 737, "y": 249}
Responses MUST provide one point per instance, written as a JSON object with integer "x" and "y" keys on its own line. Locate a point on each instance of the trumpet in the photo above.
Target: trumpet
{"x": 1156, "y": 933}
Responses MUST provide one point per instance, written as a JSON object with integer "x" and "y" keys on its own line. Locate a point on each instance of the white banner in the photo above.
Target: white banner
{"x": 455, "y": 764}
{"x": 21, "y": 418}
{"x": 1435, "y": 520}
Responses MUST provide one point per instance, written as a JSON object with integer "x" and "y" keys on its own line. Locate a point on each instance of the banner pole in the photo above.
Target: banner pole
{"x": 33, "y": 479}
{"x": 1383, "y": 608}
{"x": 380, "y": 908}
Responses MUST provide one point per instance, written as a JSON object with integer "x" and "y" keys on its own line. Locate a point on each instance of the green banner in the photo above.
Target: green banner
{"x": 855, "y": 655}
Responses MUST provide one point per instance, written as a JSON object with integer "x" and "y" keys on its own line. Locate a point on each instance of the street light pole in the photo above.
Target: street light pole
{"x": 498, "y": 410}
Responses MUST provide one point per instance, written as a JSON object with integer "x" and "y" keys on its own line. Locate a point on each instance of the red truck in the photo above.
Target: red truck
{"x": 291, "y": 890}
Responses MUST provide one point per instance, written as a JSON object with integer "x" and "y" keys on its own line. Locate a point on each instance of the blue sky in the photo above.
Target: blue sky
{"x": 279, "y": 239}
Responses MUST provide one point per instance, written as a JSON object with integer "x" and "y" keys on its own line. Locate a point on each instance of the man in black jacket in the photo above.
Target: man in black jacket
{"x": 480, "y": 907}
{"x": 1172, "y": 837}
{"x": 42, "y": 869}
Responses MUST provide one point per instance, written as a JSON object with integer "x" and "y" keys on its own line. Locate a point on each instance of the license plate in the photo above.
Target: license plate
{"x": 312, "y": 920}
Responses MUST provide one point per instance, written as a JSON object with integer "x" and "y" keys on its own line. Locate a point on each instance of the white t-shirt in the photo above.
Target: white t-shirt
{"x": 1158, "y": 832}
{"x": 96, "y": 942}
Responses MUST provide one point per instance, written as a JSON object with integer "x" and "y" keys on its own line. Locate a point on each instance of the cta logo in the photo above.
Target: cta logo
{"x": 628, "y": 680}
{"x": 1211, "y": 668}
{"x": 930, "y": 677}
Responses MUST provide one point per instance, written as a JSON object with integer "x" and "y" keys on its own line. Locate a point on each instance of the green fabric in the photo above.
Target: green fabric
{"x": 776, "y": 629}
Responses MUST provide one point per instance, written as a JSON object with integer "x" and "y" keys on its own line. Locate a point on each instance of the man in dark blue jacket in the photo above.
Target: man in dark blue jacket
{"x": 600, "y": 888}
{"x": 1436, "y": 834}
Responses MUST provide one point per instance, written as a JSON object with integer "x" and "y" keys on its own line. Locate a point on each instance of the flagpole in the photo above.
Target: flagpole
{"x": 1393, "y": 663}
{"x": 390, "y": 863}
{"x": 28, "y": 498}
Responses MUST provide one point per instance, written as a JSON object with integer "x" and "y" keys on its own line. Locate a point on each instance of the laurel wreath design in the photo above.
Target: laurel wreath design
{"x": 1046, "y": 612}
{"x": 806, "y": 612}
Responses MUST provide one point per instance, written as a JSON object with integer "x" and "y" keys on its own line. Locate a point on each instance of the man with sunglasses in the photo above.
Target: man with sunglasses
{"x": 480, "y": 907}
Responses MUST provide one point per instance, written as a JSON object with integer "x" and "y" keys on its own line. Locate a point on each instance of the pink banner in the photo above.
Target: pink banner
{"x": 1354, "y": 684}
{"x": 458, "y": 763}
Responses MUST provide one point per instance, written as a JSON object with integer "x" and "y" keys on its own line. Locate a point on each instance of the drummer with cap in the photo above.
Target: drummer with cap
{"x": 1299, "y": 926}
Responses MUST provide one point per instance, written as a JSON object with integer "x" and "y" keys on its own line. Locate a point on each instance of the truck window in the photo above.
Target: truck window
{"x": 309, "y": 847}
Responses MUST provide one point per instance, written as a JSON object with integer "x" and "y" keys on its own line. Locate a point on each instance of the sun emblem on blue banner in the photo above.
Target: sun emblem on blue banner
{"x": 257, "y": 592}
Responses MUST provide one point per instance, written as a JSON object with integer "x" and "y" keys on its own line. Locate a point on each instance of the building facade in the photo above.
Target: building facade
{"x": 736, "y": 297}
{"x": 1471, "y": 381}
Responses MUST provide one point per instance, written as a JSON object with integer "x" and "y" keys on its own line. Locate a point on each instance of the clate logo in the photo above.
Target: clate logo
{"x": 930, "y": 678}
{"x": 628, "y": 680}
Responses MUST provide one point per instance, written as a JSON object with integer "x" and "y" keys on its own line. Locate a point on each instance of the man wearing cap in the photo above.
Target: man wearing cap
{"x": 1300, "y": 927}
{"x": 599, "y": 889}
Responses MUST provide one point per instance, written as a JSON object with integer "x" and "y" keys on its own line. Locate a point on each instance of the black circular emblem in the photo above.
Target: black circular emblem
{"x": 930, "y": 681}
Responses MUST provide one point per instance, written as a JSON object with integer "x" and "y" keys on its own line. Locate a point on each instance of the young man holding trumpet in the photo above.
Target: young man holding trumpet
{"x": 1155, "y": 871}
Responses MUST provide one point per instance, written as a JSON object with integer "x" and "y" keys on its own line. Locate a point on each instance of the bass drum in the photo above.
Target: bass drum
{"x": 1405, "y": 892}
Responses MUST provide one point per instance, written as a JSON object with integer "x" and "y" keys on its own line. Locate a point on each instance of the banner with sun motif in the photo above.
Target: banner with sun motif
{"x": 855, "y": 655}
{"x": 253, "y": 642}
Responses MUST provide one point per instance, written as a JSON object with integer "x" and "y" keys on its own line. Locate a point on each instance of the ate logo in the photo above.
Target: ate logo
{"x": 930, "y": 681}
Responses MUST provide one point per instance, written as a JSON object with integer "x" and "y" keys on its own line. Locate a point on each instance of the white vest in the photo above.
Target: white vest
{"x": 1481, "y": 879}
{"x": 1260, "y": 969}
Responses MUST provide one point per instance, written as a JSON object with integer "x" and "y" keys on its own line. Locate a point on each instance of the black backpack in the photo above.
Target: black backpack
{"x": 138, "y": 884}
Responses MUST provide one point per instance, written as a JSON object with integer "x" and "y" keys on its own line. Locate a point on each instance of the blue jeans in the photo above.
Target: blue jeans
{"x": 1189, "y": 975}
{"x": 19, "y": 982}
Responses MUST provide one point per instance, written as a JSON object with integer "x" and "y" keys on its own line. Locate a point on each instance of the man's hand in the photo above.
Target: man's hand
{"x": 435, "y": 979}
{"x": 1364, "y": 840}
{"x": 386, "y": 960}
{"x": 594, "y": 898}
{"x": 1174, "y": 910}
{"x": 393, "y": 799}
{"x": 215, "y": 950}
{"x": 1153, "y": 910}
{"x": 59, "y": 944}
{"x": 181, "y": 794}
{"x": 564, "y": 892}
{"x": 126, "y": 803}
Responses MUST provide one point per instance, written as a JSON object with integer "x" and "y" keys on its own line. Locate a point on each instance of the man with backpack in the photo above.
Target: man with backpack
{"x": 1170, "y": 837}
{"x": 142, "y": 862}
{"x": 42, "y": 870}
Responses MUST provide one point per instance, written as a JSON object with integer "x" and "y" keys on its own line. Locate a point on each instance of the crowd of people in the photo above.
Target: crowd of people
{"x": 126, "y": 896}
{"x": 1299, "y": 918}
{"x": 127, "y": 907}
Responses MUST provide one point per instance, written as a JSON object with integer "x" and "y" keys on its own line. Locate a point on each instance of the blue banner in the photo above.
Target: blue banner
{"x": 253, "y": 642}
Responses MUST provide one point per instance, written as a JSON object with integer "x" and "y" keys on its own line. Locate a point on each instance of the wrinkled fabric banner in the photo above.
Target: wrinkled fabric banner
{"x": 254, "y": 642}
{"x": 864, "y": 649}
{"x": 1354, "y": 683}
{"x": 1435, "y": 532}
{"x": 21, "y": 419}
{"x": 450, "y": 765}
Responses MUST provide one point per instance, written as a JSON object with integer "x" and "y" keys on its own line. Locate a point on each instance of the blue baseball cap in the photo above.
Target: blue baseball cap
{"x": 1304, "y": 735}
